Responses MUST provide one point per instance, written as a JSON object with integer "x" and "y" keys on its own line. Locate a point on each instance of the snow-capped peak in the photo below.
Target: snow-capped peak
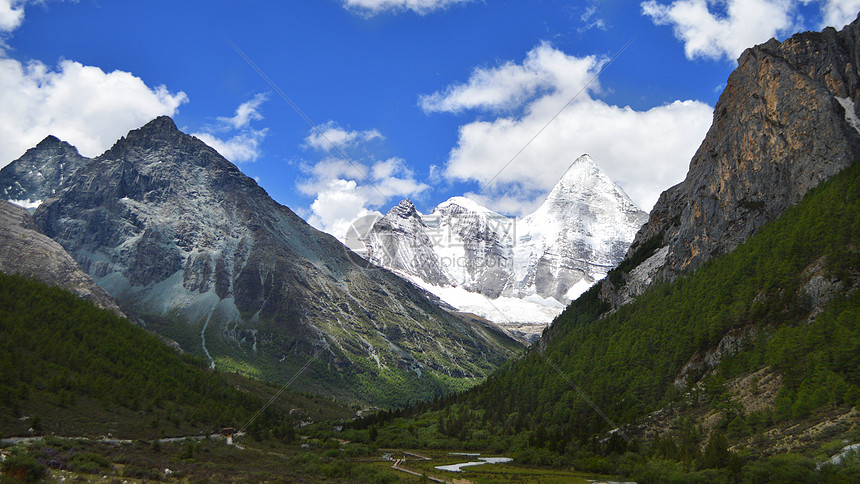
{"x": 466, "y": 203}
{"x": 581, "y": 230}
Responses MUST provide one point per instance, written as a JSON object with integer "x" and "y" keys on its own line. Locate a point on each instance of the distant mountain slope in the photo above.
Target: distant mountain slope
{"x": 188, "y": 244}
{"x": 39, "y": 172}
{"x": 26, "y": 251}
{"x": 69, "y": 368}
{"x": 786, "y": 121}
{"x": 547, "y": 258}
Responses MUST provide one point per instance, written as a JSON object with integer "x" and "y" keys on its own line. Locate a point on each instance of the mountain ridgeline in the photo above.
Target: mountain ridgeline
{"x": 198, "y": 252}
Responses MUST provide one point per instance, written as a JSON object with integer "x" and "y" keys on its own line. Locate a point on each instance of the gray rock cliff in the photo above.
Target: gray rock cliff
{"x": 786, "y": 121}
{"x": 25, "y": 251}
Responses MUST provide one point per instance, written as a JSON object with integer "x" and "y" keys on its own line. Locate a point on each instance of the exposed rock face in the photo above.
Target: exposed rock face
{"x": 27, "y": 252}
{"x": 786, "y": 121}
{"x": 183, "y": 240}
{"x": 399, "y": 241}
{"x": 580, "y": 232}
{"x": 39, "y": 172}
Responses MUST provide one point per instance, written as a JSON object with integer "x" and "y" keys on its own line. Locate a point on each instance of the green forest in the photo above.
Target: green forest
{"x": 69, "y": 367}
{"x": 626, "y": 362}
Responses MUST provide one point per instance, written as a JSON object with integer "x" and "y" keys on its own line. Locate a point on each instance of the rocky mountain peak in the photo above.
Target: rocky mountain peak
{"x": 186, "y": 242}
{"x": 160, "y": 127}
{"x": 786, "y": 121}
{"x": 462, "y": 204}
{"x": 404, "y": 209}
{"x": 159, "y": 133}
{"x": 585, "y": 181}
{"x": 38, "y": 173}
{"x": 51, "y": 141}
{"x": 542, "y": 260}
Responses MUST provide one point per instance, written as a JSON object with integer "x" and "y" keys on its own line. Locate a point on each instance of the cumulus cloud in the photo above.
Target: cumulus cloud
{"x": 511, "y": 85}
{"x": 239, "y": 148}
{"x": 233, "y": 137}
{"x": 330, "y": 134}
{"x": 11, "y": 14}
{"x": 246, "y": 112}
{"x": 345, "y": 190}
{"x": 838, "y": 13}
{"x": 421, "y": 7}
{"x": 80, "y": 104}
{"x": 644, "y": 151}
{"x": 715, "y": 29}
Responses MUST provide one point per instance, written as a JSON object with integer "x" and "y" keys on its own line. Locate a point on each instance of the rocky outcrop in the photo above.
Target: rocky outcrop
{"x": 26, "y": 251}
{"x": 786, "y": 121}
{"x": 37, "y": 174}
{"x": 187, "y": 243}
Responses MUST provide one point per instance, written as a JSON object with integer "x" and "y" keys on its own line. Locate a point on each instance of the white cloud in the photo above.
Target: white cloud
{"x": 512, "y": 85}
{"x": 76, "y": 103}
{"x": 716, "y": 29}
{"x": 838, "y": 13}
{"x": 345, "y": 190}
{"x": 337, "y": 206}
{"x": 239, "y": 148}
{"x": 422, "y": 7}
{"x": 330, "y": 134}
{"x": 239, "y": 142}
{"x": 11, "y": 14}
{"x": 246, "y": 112}
{"x": 644, "y": 151}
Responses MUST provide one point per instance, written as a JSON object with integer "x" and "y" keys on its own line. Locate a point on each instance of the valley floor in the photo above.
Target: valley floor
{"x": 210, "y": 459}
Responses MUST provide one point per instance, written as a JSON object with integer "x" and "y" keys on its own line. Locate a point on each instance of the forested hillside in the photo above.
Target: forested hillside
{"x": 788, "y": 295}
{"x": 69, "y": 368}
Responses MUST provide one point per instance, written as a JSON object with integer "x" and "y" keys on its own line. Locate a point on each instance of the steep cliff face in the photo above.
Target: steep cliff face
{"x": 39, "y": 172}
{"x": 400, "y": 241}
{"x": 185, "y": 241}
{"x": 27, "y": 252}
{"x": 786, "y": 121}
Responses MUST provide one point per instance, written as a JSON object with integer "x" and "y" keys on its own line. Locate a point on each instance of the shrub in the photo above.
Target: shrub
{"x": 25, "y": 468}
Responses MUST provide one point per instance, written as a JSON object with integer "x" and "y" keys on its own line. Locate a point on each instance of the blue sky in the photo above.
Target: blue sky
{"x": 427, "y": 99}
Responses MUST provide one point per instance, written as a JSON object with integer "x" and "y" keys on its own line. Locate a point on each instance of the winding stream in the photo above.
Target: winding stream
{"x": 479, "y": 462}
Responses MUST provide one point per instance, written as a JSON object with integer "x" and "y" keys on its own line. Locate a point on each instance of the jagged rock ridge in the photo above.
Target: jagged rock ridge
{"x": 186, "y": 242}
{"x": 786, "y": 121}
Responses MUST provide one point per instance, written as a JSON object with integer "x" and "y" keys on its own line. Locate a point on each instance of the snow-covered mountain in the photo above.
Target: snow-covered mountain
{"x": 512, "y": 270}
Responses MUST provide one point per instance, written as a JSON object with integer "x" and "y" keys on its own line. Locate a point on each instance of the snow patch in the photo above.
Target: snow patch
{"x": 502, "y": 310}
{"x": 28, "y": 204}
{"x": 850, "y": 115}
